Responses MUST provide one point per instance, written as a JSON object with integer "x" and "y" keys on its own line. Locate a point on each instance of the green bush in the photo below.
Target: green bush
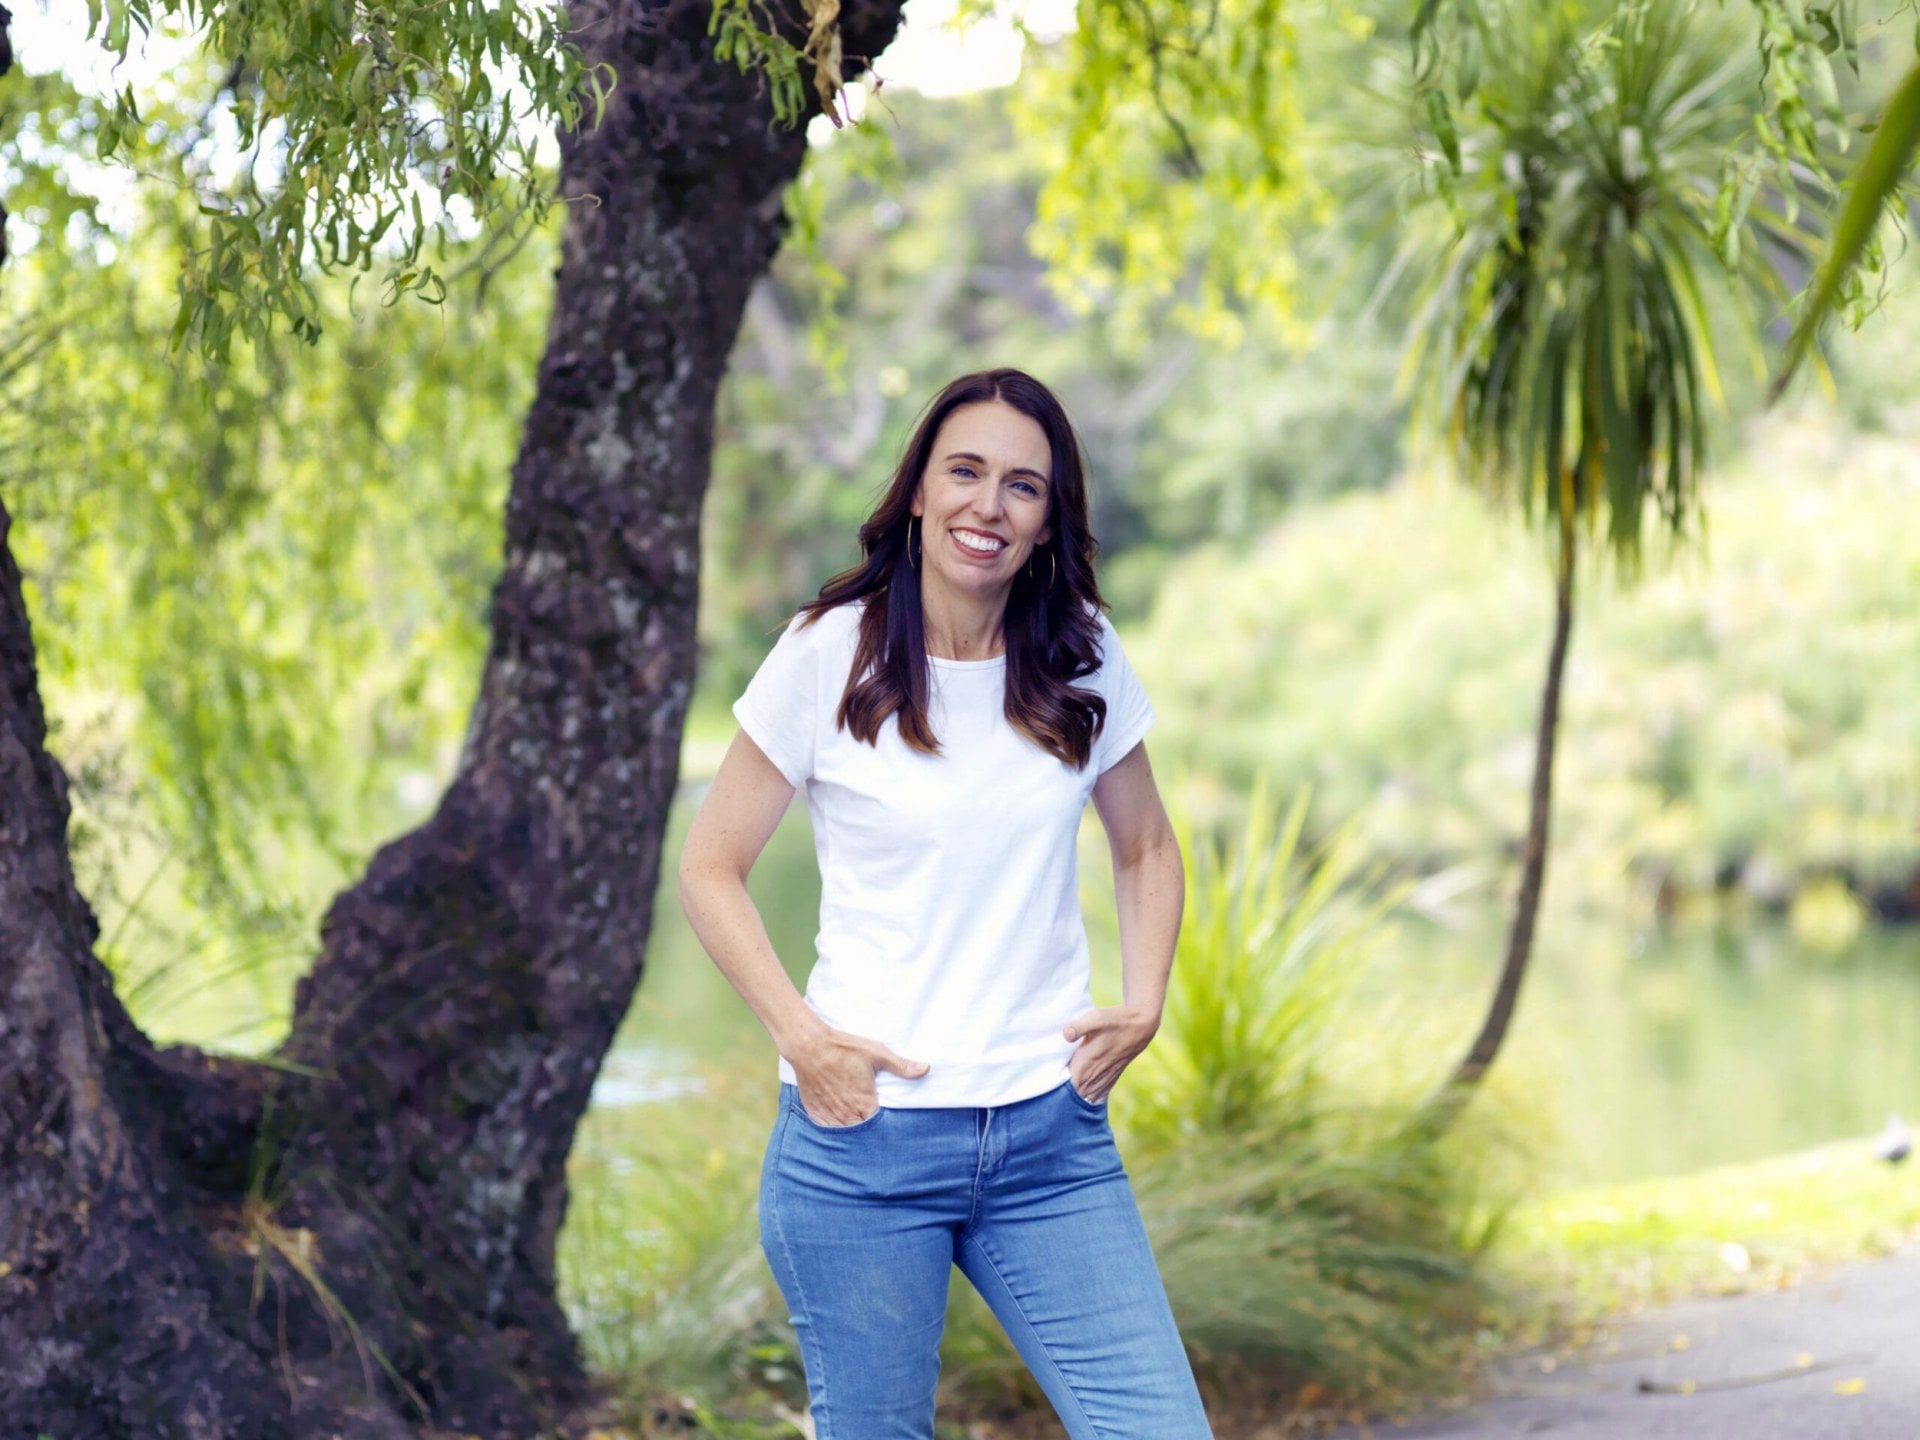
{"x": 1269, "y": 940}
{"x": 1749, "y": 716}
{"x": 1311, "y": 1233}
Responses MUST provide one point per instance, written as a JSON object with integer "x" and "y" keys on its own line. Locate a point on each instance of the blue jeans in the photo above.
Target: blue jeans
{"x": 863, "y": 1223}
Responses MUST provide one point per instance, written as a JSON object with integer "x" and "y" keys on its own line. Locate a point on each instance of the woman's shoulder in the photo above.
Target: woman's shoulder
{"x": 1108, "y": 637}
{"x": 837, "y": 627}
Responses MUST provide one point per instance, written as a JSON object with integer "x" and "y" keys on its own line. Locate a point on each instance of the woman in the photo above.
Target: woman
{"x": 950, "y": 704}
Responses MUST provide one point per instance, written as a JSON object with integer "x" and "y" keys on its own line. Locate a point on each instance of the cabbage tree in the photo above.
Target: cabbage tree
{"x": 1598, "y": 229}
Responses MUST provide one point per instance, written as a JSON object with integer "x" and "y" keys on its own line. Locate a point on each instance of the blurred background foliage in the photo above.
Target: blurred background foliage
{"x": 260, "y": 582}
{"x": 1742, "y": 720}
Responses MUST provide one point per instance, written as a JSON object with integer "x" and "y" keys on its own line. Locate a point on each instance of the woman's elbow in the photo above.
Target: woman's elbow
{"x": 1157, "y": 849}
{"x": 695, "y": 878}
{"x": 1167, "y": 855}
{"x": 703, "y": 875}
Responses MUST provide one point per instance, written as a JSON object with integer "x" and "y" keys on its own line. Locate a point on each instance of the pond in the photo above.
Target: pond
{"x": 1650, "y": 1053}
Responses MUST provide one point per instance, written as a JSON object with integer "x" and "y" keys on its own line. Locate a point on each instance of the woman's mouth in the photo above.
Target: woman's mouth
{"x": 978, "y": 543}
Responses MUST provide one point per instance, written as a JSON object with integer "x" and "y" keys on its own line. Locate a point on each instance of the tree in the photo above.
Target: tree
{"x": 358, "y": 1238}
{"x": 1565, "y": 340}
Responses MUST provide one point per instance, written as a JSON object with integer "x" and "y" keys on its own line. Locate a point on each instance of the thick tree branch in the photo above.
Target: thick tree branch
{"x": 107, "y": 1305}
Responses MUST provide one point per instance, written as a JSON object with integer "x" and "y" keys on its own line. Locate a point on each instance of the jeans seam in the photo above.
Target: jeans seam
{"x": 979, "y": 1170}
{"x": 799, "y": 1286}
{"x": 1073, "y": 1394}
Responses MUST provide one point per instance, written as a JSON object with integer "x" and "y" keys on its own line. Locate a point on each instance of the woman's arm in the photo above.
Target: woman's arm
{"x": 1149, "y": 883}
{"x": 744, "y": 804}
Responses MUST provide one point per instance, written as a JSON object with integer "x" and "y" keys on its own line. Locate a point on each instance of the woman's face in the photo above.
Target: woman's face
{"x": 983, "y": 501}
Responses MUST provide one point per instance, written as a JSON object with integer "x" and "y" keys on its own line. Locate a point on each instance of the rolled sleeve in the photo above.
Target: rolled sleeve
{"x": 1129, "y": 712}
{"x": 777, "y": 709}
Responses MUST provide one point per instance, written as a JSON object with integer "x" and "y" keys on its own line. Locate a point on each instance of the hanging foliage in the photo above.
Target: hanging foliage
{"x": 344, "y": 136}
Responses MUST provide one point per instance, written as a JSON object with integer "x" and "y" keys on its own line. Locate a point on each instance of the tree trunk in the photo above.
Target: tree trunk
{"x": 360, "y": 1239}
{"x": 1533, "y": 867}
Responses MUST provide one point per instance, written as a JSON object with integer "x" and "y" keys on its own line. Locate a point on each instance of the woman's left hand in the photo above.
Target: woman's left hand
{"x": 1109, "y": 1039}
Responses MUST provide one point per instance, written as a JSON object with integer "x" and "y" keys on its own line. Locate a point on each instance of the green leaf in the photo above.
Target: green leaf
{"x": 1440, "y": 117}
{"x": 1873, "y": 186}
{"x": 1823, "y": 18}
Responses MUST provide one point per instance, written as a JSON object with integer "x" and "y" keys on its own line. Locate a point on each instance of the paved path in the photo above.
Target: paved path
{"x": 1744, "y": 1357}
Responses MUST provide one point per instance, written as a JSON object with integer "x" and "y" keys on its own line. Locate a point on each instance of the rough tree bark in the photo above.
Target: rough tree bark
{"x": 361, "y": 1241}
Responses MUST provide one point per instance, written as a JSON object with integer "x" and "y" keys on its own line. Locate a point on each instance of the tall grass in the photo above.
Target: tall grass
{"x": 1311, "y": 1235}
{"x": 1270, "y": 939}
{"x": 660, "y": 1263}
{"x": 1315, "y": 1243}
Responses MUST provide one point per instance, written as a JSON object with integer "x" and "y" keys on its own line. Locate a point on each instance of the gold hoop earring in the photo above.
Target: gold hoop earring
{"x": 1053, "y": 570}
{"x": 911, "y": 563}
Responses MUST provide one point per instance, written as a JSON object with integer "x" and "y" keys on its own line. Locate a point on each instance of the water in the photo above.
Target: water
{"x": 1652, "y": 1053}
{"x": 1657, "y": 1054}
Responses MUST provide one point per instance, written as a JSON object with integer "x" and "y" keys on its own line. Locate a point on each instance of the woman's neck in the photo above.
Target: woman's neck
{"x": 961, "y": 627}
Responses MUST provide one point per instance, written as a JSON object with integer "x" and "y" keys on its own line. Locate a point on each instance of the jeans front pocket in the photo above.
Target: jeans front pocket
{"x": 798, "y": 1107}
{"x": 1098, "y": 1107}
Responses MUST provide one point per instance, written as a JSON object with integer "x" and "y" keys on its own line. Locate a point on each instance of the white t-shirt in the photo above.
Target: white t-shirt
{"x": 950, "y": 925}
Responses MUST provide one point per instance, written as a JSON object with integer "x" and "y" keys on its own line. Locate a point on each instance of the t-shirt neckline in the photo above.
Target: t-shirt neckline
{"x": 945, "y": 664}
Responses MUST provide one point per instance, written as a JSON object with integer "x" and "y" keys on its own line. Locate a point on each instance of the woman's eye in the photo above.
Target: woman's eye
{"x": 963, "y": 470}
{"x": 1028, "y": 486}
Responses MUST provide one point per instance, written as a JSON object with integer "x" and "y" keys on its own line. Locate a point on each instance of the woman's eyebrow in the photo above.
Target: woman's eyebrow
{"x": 977, "y": 460}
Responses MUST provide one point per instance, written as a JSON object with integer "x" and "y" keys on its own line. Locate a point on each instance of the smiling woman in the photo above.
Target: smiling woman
{"x": 951, "y": 704}
{"x": 990, "y": 496}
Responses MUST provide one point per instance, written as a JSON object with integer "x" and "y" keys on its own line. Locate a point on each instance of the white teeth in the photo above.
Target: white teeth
{"x": 979, "y": 542}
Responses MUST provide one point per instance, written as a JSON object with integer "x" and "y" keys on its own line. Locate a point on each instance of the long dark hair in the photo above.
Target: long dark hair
{"x": 1052, "y": 624}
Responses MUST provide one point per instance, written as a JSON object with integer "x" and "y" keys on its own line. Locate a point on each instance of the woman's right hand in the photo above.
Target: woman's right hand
{"x": 834, "y": 1072}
